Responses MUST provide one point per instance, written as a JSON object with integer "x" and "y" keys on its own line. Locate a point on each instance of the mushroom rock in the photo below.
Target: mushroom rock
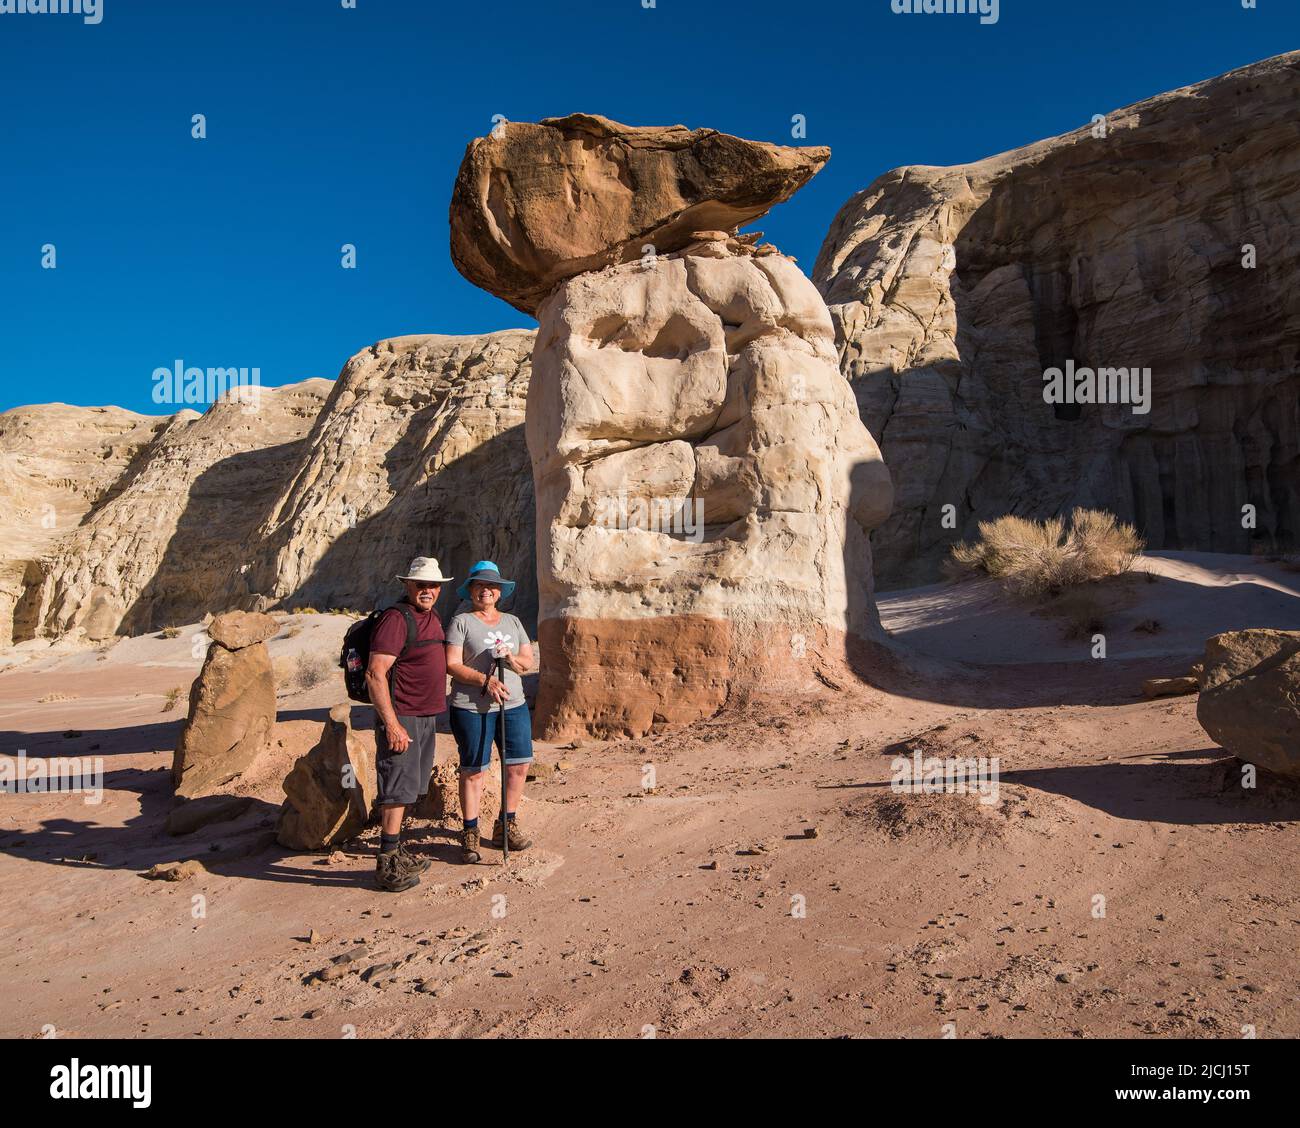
{"x": 704, "y": 485}
{"x": 535, "y": 204}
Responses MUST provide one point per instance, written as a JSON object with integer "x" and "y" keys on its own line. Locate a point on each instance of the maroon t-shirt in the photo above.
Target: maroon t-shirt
{"x": 419, "y": 677}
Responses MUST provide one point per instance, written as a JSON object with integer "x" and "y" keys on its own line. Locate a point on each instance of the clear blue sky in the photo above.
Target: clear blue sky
{"x": 329, "y": 125}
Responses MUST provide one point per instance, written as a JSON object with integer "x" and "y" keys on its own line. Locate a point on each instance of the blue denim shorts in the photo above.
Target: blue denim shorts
{"x": 476, "y": 732}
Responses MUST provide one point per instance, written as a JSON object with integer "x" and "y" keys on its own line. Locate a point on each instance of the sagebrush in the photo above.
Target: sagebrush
{"x": 1052, "y": 556}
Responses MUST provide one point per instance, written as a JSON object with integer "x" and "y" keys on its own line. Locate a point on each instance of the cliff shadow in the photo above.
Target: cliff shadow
{"x": 214, "y": 538}
{"x": 479, "y": 506}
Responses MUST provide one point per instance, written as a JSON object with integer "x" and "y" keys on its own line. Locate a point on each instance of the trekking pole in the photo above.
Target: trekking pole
{"x": 505, "y": 825}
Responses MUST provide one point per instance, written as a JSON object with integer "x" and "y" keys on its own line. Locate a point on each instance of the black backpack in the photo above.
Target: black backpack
{"x": 355, "y": 655}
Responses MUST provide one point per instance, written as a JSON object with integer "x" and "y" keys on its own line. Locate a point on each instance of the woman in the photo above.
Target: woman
{"x": 474, "y": 637}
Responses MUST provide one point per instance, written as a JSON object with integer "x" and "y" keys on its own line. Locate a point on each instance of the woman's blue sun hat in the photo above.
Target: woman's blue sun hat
{"x": 485, "y": 572}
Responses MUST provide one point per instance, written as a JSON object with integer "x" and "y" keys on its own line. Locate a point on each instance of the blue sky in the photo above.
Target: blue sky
{"x": 330, "y": 125}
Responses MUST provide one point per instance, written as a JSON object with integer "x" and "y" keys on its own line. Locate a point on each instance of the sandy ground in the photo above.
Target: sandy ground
{"x": 771, "y": 882}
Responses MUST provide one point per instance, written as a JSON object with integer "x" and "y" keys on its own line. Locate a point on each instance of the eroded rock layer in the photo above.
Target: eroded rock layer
{"x": 419, "y": 451}
{"x": 123, "y": 523}
{"x": 954, "y": 290}
{"x": 704, "y": 487}
{"x": 536, "y": 203}
{"x": 162, "y": 547}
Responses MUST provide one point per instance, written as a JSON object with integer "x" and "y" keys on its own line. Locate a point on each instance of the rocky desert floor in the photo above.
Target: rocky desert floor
{"x": 771, "y": 882}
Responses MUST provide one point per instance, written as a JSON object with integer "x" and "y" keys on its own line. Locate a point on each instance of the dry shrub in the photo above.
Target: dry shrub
{"x": 173, "y": 698}
{"x": 170, "y": 632}
{"x": 310, "y": 670}
{"x": 1047, "y": 557}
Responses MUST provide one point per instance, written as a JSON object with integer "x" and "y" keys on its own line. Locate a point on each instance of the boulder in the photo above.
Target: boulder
{"x": 535, "y": 204}
{"x": 238, "y": 629}
{"x": 230, "y": 721}
{"x": 705, "y": 489}
{"x": 1169, "y": 687}
{"x": 1250, "y": 697}
{"x": 1231, "y": 654}
{"x": 330, "y": 790}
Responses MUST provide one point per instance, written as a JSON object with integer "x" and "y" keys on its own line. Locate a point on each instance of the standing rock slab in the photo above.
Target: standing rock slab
{"x": 331, "y": 789}
{"x": 535, "y": 204}
{"x": 232, "y": 712}
{"x": 1250, "y": 697}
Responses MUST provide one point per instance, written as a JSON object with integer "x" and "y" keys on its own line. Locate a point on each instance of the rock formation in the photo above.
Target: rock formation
{"x": 177, "y": 525}
{"x": 954, "y": 290}
{"x": 704, "y": 486}
{"x": 308, "y": 502}
{"x": 418, "y": 451}
{"x": 57, "y": 464}
{"x": 232, "y": 707}
{"x": 331, "y": 789}
{"x": 1250, "y": 697}
{"x": 535, "y": 204}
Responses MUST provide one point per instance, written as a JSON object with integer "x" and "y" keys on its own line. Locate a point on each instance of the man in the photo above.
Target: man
{"x": 407, "y": 679}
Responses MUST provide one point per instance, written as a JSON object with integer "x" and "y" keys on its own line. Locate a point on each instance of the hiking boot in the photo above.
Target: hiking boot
{"x": 517, "y": 839}
{"x": 469, "y": 846}
{"x": 412, "y": 862}
{"x": 392, "y": 875}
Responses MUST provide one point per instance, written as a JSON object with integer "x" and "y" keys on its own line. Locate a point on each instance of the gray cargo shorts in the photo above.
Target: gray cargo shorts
{"x": 404, "y": 776}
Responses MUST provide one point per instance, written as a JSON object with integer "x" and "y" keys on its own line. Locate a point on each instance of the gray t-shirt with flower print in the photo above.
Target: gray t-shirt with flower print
{"x": 474, "y": 637}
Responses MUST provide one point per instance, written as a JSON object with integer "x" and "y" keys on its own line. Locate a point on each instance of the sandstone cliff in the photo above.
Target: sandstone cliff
{"x": 162, "y": 547}
{"x": 315, "y": 499}
{"x": 418, "y": 451}
{"x": 57, "y": 464}
{"x": 954, "y": 290}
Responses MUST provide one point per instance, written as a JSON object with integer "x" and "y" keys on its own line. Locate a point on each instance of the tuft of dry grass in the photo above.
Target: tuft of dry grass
{"x": 170, "y": 632}
{"x": 1036, "y": 558}
{"x": 173, "y": 697}
{"x": 310, "y": 670}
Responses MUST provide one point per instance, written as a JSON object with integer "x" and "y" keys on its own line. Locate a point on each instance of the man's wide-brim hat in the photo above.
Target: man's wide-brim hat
{"x": 424, "y": 569}
{"x": 485, "y": 572}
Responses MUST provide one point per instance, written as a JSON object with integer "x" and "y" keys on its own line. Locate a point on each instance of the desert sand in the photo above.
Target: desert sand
{"x": 768, "y": 881}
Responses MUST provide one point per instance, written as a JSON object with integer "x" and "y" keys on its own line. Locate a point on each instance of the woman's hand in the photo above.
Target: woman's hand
{"x": 520, "y": 668}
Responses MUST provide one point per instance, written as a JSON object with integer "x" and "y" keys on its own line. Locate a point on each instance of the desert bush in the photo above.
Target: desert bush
{"x": 1048, "y": 557}
{"x": 310, "y": 670}
{"x": 173, "y": 696}
{"x": 170, "y": 632}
